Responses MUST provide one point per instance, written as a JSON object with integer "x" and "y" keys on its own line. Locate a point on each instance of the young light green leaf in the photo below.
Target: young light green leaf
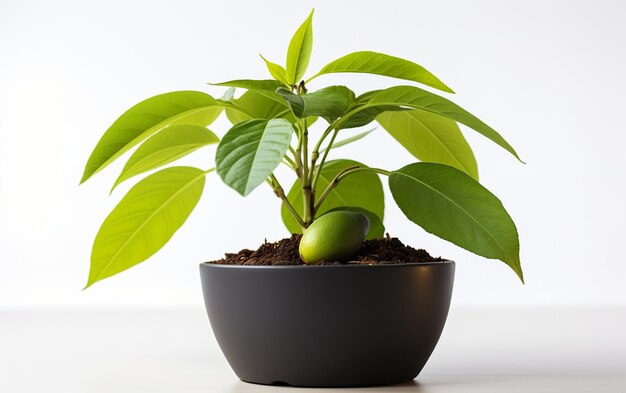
{"x": 346, "y": 141}
{"x": 145, "y": 220}
{"x": 416, "y": 98}
{"x": 258, "y": 104}
{"x": 277, "y": 71}
{"x": 250, "y": 151}
{"x": 299, "y": 52}
{"x": 146, "y": 118}
{"x": 430, "y": 137}
{"x": 363, "y": 190}
{"x": 229, "y": 94}
{"x": 251, "y": 84}
{"x": 377, "y": 229}
{"x": 450, "y": 204}
{"x": 330, "y": 102}
{"x": 382, "y": 64}
{"x": 164, "y": 147}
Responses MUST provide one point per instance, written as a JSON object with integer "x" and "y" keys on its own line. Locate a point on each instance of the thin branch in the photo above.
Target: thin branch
{"x": 305, "y": 152}
{"x": 341, "y": 175}
{"x": 280, "y": 192}
{"x": 318, "y": 145}
{"x": 289, "y": 162}
{"x": 316, "y": 154}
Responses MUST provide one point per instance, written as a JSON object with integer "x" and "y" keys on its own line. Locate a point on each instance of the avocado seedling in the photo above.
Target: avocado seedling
{"x": 291, "y": 120}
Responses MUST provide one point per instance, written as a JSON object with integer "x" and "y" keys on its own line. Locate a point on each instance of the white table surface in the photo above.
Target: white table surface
{"x": 481, "y": 350}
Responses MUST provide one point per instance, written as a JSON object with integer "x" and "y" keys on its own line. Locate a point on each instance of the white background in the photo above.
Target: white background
{"x": 548, "y": 75}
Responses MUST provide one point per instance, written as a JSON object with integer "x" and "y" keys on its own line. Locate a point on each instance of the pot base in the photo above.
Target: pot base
{"x": 327, "y": 326}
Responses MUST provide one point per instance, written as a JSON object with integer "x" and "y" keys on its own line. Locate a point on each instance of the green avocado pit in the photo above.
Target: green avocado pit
{"x": 335, "y": 236}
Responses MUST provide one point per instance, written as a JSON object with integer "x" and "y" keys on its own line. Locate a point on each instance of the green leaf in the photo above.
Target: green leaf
{"x": 430, "y": 137}
{"x": 250, "y": 151}
{"x": 255, "y": 104}
{"x": 450, "y": 204}
{"x": 277, "y": 71}
{"x": 416, "y": 98}
{"x": 377, "y": 229}
{"x": 229, "y": 94}
{"x": 360, "y": 115}
{"x": 148, "y": 117}
{"x": 251, "y": 84}
{"x": 145, "y": 220}
{"x": 330, "y": 102}
{"x": 364, "y": 116}
{"x": 365, "y": 97}
{"x": 346, "y": 141}
{"x": 382, "y": 64}
{"x": 164, "y": 147}
{"x": 299, "y": 51}
{"x": 362, "y": 189}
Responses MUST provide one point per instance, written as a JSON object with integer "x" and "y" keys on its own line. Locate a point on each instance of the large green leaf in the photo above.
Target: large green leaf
{"x": 255, "y": 104}
{"x": 251, "y": 84}
{"x": 250, "y": 151}
{"x": 299, "y": 51}
{"x": 430, "y": 137}
{"x": 164, "y": 147}
{"x": 416, "y": 98}
{"x": 145, "y": 220}
{"x": 330, "y": 102}
{"x": 362, "y": 189}
{"x": 148, "y": 117}
{"x": 450, "y": 204}
{"x": 382, "y": 64}
{"x": 277, "y": 71}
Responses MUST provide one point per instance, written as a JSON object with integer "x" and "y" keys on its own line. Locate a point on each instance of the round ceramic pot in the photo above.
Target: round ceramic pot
{"x": 325, "y": 326}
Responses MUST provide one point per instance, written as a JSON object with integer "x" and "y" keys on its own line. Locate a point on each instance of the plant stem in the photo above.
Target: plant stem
{"x": 305, "y": 150}
{"x": 342, "y": 174}
{"x": 280, "y": 192}
{"x": 297, "y": 158}
{"x": 307, "y": 192}
{"x": 318, "y": 145}
{"x": 316, "y": 153}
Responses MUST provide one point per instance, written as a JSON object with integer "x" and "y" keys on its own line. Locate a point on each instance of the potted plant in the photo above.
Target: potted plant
{"x": 342, "y": 304}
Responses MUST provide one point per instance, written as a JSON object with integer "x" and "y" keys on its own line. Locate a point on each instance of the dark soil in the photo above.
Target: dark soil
{"x": 388, "y": 250}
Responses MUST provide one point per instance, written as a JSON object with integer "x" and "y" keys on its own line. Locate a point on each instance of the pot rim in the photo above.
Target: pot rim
{"x": 343, "y": 266}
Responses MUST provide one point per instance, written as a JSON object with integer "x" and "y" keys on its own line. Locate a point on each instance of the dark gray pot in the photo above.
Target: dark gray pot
{"x": 338, "y": 325}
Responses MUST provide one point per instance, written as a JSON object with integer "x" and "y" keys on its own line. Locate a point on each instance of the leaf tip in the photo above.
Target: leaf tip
{"x": 89, "y": 283}
{"x": 119, "y": 180}
{"x": 518, "y": 270}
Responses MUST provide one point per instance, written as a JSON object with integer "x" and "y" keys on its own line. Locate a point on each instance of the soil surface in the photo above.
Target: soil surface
{"x": 387, "y": 250}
